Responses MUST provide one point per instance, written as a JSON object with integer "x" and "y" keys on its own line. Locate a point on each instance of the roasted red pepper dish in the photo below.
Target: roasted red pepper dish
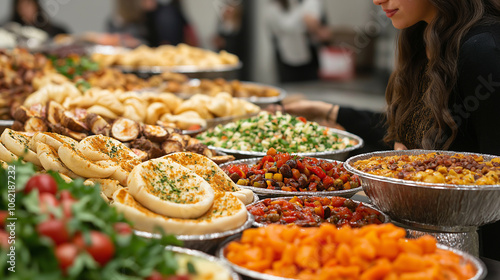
{"x": 311, "y": 211}
{"x": 455, "y": 169}
{"x": 282, "y": 171}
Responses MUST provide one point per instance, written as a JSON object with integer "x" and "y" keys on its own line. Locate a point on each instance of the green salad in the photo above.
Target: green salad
{"x": 282, "y": 132}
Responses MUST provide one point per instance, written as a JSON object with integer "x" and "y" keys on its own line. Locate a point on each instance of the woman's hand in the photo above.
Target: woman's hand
{"x": 311, "y": 110}
{"x": 398, "y": 146}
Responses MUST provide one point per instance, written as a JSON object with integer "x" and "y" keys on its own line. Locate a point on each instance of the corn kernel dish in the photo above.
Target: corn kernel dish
{"x": 457, "y": 169}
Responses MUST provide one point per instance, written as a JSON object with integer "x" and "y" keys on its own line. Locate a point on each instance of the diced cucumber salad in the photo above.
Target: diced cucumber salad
{"x": 280, "y": 131}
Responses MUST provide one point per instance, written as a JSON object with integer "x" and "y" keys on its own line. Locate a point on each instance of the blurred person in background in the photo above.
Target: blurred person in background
{"x": 150, "y": 22}
{"x": 296, "y": 28}
{"x": 233, "y": 32}
{"x": 127, "y": 24}
{"x": 31, "y": 13}
{"x": 167, "y": 23}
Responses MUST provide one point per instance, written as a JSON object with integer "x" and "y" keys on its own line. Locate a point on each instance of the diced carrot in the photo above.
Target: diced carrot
{"x": 410, "y": 246}
{"x": 307, "y": 257}
{"x": 388, "y": 248}
{"x": 343, "y": 254}
{"x": 377, "y": 272}
{"x": 344, "y": 235}
{"x": 428, "y": 244}
{"x": 410, "y": 263}
{"x": 327, "y": 253}
{"x": 365, "y": 250}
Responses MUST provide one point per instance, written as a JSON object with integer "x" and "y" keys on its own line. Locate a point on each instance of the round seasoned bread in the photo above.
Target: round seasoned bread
{"x": 54, "y": 140}
{"x": 226, "y": 213}
{"x": 18, "y": 144}
{"x": 7, "y": 155}
{"x": 50, "y": 160}
{"x": 83, "y": 166}
{"x": 170, "y": 189}
{"x": 212, "y": 173}
{"x": 100, "y": 147}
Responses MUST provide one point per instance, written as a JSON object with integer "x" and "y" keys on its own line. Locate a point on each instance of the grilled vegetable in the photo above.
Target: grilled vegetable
{"x": 125, "y": 129}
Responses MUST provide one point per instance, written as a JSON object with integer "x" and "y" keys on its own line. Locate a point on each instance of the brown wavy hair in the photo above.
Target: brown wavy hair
{"x": 430, "y": 51}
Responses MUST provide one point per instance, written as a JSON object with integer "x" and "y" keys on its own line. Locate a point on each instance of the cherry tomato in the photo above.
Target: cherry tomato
{"x": 155, "y": 276}
{"x": 4, "y": 239}
{"x": 122, "y": 228}
{"x": 66, "y": 254}
{"x": 100, "y": 248}
{"x": 44, "y": 183}
{"x": 3, "y": 217}
{"x": 47, "y": 201}
{"x": 55, "y": 230}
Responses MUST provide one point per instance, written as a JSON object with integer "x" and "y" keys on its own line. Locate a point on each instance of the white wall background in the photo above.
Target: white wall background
{"x": 91, "y": 15}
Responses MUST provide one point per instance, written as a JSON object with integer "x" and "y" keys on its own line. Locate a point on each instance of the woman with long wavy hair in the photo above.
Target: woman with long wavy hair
{"x": 445, "y": 90}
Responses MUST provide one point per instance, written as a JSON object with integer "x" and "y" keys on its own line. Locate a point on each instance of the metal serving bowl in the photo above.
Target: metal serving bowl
{"x": 212, "y": 259}
{"x": 335, "y": 155}
{"x": 192, "y": 71}
{"x": 251, "y": 274}
{"x": 204, "y": 242}
{"x": 253, "y": 99}
{"x": 441, "y": 207}
{"x": 267, "y": 193}
{"x": 385, "y": 218}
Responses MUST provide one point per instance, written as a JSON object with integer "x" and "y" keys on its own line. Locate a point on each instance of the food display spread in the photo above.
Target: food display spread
{"x": 119, "y": 176}
{"x": 282, "y": 132}
{"x": 310, "y": 211}
{"x": 325, "y": 252}
{"x": 455, "y": 169}
{"x": 166, "y": 55}
{"x": 282, "y": 171}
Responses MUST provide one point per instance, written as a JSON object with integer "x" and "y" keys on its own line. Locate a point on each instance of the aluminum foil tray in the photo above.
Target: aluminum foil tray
{"x": 385, "y": 219}
{"x": 194, "y": 253}
{"x": 266, "y": 193}
{"x": 250, "y": 274}
{"x": 253, "y": 99}
{"x": 438, "y": 207}
{"x": 205, "y": 242}
{"x": 335, "y": 155}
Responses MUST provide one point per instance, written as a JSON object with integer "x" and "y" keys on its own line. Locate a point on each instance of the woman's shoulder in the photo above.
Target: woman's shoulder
{"x": 482, "y": 37}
